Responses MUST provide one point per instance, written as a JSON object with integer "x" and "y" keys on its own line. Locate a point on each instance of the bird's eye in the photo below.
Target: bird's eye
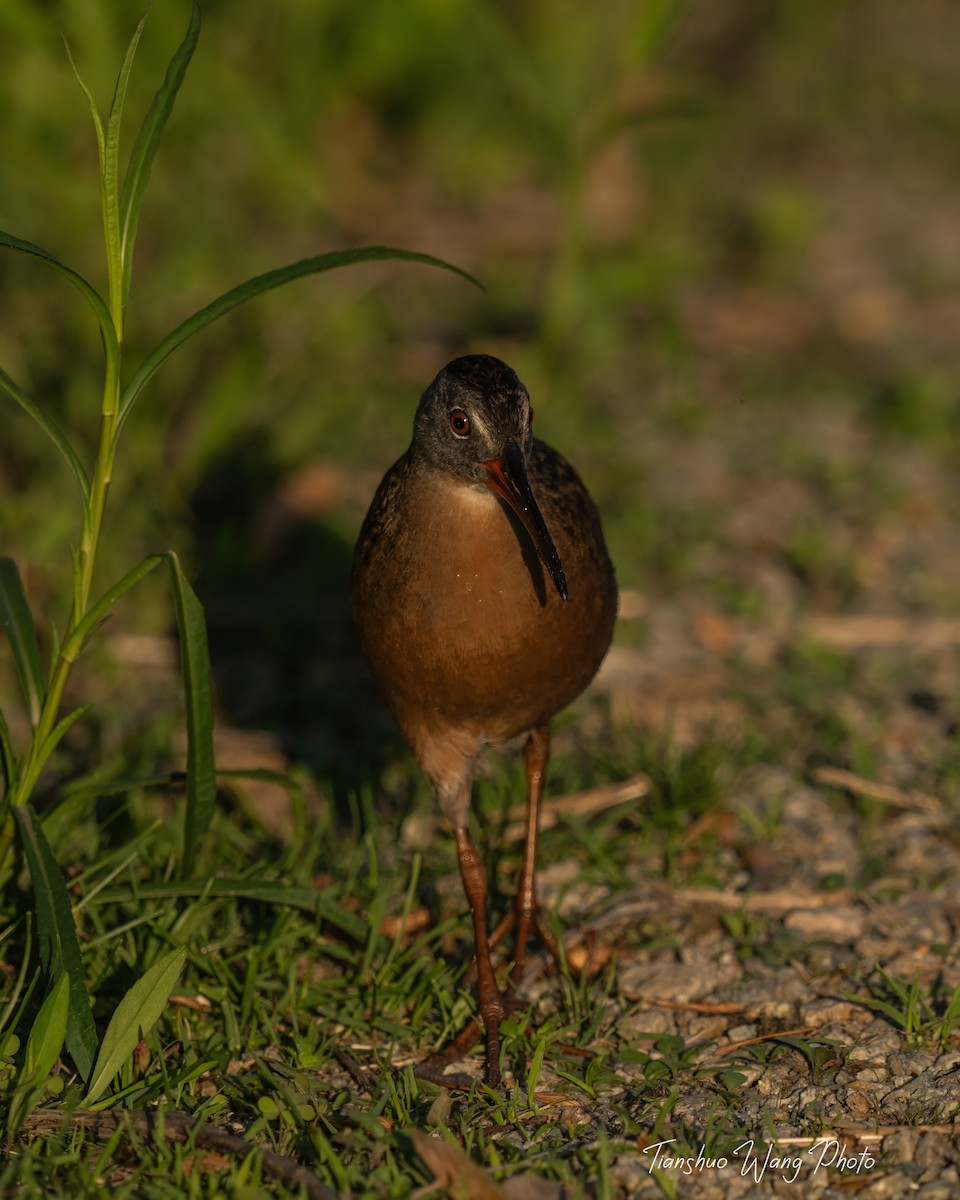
{"x": 460, "y": 423}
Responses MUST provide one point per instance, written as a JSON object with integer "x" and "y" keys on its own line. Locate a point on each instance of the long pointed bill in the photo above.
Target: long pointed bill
{"x": 507, "y": 478}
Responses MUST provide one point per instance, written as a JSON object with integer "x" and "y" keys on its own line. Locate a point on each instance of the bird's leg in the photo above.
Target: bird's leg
{"x": 536, "y": 751}
{"x": 490, "y": 1000}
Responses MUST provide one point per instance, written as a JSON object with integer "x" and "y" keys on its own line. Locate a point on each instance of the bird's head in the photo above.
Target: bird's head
{"x": 475, "y": 421}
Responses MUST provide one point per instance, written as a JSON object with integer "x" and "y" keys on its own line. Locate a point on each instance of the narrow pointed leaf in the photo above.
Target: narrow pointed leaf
{"x": 51, "y": 429}
{"x": 201, "y": 766}
{"x": 262, "y": 891}
{"x": 59, "y": 946}
{"x": 256, "y": 287}
{"x": 48, "y": 1033}
{"x": 533, "y": 1074}
{"x": 98, "y": 612}
{"x": 90, "y": 293}
{"x": 18, "y": 625}
{"x": 8, "y": 760}
{"x": 43, "y": 1047}
{"x": 135, "y": 1016}
{"x": 94, "y": 110}
{"x": 109, "y": 169}
{"x": 148, "y": 139}
{"x": 61, "y": 727}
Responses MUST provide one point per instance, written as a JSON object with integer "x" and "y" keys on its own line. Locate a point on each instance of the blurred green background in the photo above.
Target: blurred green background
{"x": 719, "y": 243}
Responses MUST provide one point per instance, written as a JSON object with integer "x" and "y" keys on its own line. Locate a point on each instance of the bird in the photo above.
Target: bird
{"x": 485, "y": 601}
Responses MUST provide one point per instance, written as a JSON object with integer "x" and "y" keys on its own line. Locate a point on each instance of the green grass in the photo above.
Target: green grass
{"x": 287, "y": 1020}
{"x": 929, "y": 1016}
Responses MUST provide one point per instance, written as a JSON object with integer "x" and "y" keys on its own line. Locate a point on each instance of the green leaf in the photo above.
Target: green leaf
{"x": 148, "y": 139}
{"x": 533, "y": 1075}
{"x": 59, "y": 947}
{"x": 94, "y": 110}
{"x": 96, "y": 614}
{"x": 195, "y": 657}
{"x": 61, "y": 727}
{"x": 256, "y": 287}
{"x": 110, "y": 168}
{"x": 18, "y": 623}
{"x": 8, "y": 760}
{"x": 19, "y": 991}
{"x": 51, "y": 429}
{"x": 48, "y": 1033}
{"x": 43, "y": 1047}
{"x": 897, "y": 1015}
{"x": 92, "y": 296}
{"x": 201, "y": 765}
{"x": 135, "y": 1016}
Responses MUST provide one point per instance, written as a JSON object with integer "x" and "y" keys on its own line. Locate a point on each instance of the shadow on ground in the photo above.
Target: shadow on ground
{"x": 284, "y": 653}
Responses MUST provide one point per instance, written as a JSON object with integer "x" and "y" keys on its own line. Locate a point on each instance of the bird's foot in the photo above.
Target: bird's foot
{"x": 488, "y": 1019}
{"x": 433, "y": 1067}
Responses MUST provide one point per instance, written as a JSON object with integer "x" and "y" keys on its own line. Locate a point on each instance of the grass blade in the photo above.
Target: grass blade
{"x": 147, "y": 141}
{"x": 201, "y": 766}
{"x": 8, "y": 760}
{"x": 256, "y": 287}
{"x": 18, "y": 624}
{"x": 59, "y": 947}
{"x": 51, "y": 429}
{"x": 92, "y": 296}
{"x": 135, "y": 1016}
{"x": 533, "y": 1074}
{"x": 262, "y": 891}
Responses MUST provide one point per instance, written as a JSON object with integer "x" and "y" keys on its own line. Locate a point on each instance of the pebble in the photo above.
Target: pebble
{"x": 841, "y": 924}
{"x": 900, "y": 1147}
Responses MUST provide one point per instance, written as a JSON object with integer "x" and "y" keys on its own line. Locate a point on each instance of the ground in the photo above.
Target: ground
{"x": 723, "y": 256}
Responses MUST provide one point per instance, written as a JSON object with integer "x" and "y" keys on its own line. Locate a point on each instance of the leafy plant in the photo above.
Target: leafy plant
{"x": 927, "y": 1018}
{"x": 43, "y": 687}
{"x": 43, "y": 1047}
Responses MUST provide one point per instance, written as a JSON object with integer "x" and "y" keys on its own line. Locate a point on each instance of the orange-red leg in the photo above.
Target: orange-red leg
{"x": 493, "y": 1005}
{"x": 535, "y": 754}
{"x": 490, "y": 1001}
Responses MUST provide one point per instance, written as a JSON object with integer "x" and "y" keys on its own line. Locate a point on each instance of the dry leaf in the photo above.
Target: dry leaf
{"x": 532, "y": 1187}
{"x": 206, "y": 1163}
{"x": 584, "y": 959}
{"x": 399, "y": 925}
{"x": 454, "y": 1171}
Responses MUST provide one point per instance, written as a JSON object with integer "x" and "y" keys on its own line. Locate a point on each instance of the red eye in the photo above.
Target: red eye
{"x": 460, "y": 423}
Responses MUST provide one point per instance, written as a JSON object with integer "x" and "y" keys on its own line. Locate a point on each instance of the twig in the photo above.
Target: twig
{"x": 703, "y": 1007}
{"x": 918, "y": 633}
{"x": 353, "y": 1069}
{"x": 839, "y": 778}
{"x": 632, "y": 909}
{"x": 765, "y": 1037}
{"x": 580, "y": 804}
{"x": 876, "y": 1133}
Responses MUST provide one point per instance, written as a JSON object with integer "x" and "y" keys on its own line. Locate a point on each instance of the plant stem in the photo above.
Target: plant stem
{"x": 40, "y": 745}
